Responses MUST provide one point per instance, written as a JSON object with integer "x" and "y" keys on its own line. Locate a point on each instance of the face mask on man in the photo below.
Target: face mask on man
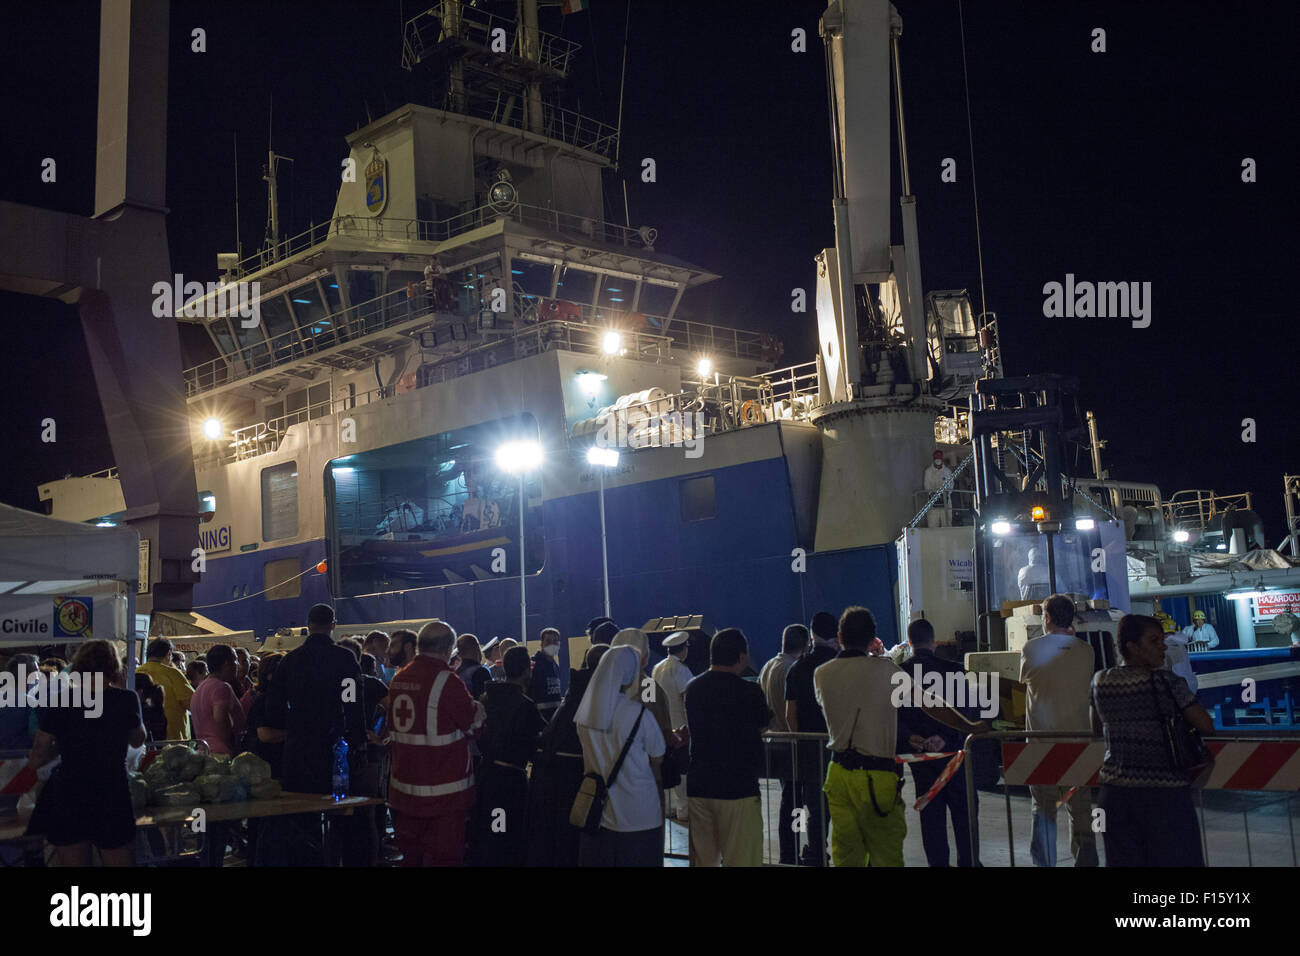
{"x": 552, "y": 649}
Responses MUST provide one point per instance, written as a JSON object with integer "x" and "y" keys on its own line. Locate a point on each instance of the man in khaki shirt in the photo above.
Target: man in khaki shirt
{"x": 861, "y": 696}
{"x": 1057, "y": 669}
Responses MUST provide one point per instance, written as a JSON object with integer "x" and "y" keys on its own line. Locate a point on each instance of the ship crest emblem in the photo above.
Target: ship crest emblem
{"x": 377, "y": 186}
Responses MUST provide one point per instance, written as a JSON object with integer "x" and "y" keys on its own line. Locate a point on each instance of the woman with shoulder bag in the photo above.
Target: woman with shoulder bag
{"x": 621, "y": 743}
{"x": 1152, "y": 724}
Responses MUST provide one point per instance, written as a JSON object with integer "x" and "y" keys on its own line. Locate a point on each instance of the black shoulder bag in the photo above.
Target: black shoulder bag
{"x": 1187, "y": 752}
{"x": 589, "y": 805}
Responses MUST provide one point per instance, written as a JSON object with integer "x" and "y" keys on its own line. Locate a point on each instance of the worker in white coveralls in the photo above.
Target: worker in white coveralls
{"x": 1033, "y": 580}
{"x": 936, "y": 476}
{"x": 1201, "y": 630}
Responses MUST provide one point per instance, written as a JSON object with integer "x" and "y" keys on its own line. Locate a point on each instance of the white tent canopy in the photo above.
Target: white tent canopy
{"x": 42, "y": 558}
{"x": 36, "y": 548}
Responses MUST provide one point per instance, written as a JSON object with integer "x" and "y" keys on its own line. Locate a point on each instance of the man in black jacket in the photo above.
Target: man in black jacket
{"x": 509, "y": 738}
{"x": 316, "y": 697}
{"x": 938, "y": 738}
{"x": 544, "y": 688}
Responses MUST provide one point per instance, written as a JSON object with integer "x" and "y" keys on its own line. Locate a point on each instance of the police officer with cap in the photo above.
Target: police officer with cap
{"x": 672, "y": 675}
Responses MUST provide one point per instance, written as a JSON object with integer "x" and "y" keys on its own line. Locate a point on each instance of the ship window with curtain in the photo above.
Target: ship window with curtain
{"x": 698, "y": 499}
{"x": 280, "y": 501}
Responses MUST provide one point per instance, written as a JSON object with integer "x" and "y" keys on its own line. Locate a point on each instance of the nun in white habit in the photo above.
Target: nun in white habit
{"x": 631, "y": 829}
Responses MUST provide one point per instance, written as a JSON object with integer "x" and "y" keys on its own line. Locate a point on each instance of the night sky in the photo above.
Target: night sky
{"x": 1122, "y": 166}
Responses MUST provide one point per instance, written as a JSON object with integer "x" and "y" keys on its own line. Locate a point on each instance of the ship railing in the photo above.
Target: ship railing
{"x": 439, "y": 230}
{"x": 697, "y": 337}
{"x": 353, "y": 323}
{"x": 455, "y": 20}
{"x": 262, "y": 438}
{"x": 1196, "y": 509}
{"x": 544, "y": 337}
{"x": 337, "y": 328}
{"x": 712, "y": 408}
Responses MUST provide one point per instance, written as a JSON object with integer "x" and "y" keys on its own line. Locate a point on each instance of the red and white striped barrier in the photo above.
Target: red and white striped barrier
{"x": 1238, "y": 765}
{"x": 1264, "y": 765}
{"x": 1049, "y": 763}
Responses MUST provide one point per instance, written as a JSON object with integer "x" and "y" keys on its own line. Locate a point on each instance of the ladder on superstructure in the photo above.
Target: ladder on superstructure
{"x": 990, "y": 346}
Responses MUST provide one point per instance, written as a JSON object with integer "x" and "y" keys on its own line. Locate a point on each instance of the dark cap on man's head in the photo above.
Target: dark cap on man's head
{"x": 824, "y": 626}
{"x": 320, "y": 615}
{"x": 604, "y": 633}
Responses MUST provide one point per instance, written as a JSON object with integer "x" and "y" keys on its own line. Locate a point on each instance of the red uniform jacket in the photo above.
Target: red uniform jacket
{"x": 432, "y": 719}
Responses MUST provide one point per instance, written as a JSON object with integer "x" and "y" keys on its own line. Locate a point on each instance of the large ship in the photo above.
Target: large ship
{"x": 467, "y": 294}
{"x": 468, "y": 395}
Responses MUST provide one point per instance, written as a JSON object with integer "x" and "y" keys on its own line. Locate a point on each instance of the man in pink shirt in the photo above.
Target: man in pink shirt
{"x": 215, "y": 708}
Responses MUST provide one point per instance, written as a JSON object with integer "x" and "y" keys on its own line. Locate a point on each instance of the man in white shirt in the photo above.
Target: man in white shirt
{"x": 1201, "y": 631}
{"x": 857, "y": 694}
{"x": 1057, "y": 669}
{"x": 672, "y": 675}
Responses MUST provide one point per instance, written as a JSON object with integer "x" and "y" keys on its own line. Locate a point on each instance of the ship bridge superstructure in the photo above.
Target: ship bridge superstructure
{"x": 465, "y": 234}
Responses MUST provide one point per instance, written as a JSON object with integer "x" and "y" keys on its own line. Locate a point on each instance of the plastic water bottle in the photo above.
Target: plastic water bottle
{"x": 340, "y": 786}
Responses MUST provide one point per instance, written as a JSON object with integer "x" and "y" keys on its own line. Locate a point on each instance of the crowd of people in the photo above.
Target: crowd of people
{"x": 479, "y": 752}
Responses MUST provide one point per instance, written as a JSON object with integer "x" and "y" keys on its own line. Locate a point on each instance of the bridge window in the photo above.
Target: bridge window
{"x": 280, "y": 501}
{"x": 309, "y": 309}
{"x": 533, "y": 278}
{"x": 577, "y": 285}
{"x": 282, "y": 579}
{"x": 363, "y": 289}
{"x": 616, "y": 294}
{"x": 656, "y": 300}
{"x": 698, "y": 500}
{"x": 207, "y": 506}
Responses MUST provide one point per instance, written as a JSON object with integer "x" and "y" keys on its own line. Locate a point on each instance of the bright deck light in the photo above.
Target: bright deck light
{"x": 518, "y": 456}
{"x": 1084, "y": 524}
{"x": 1001, "y": 527}
{"x": 1181, "y": 537}
{"x": 612, "y": 343}
{"x": 589, "y": 383}
{"x": 704, "y": 367}
{"x": 605, "y": 457}
{"x": 212, "y": 429}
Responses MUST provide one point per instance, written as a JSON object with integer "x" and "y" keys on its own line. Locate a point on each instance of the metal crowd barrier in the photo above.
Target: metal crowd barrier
{"x": 796, "y": 770}
{"x": 1256, "y": 763}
